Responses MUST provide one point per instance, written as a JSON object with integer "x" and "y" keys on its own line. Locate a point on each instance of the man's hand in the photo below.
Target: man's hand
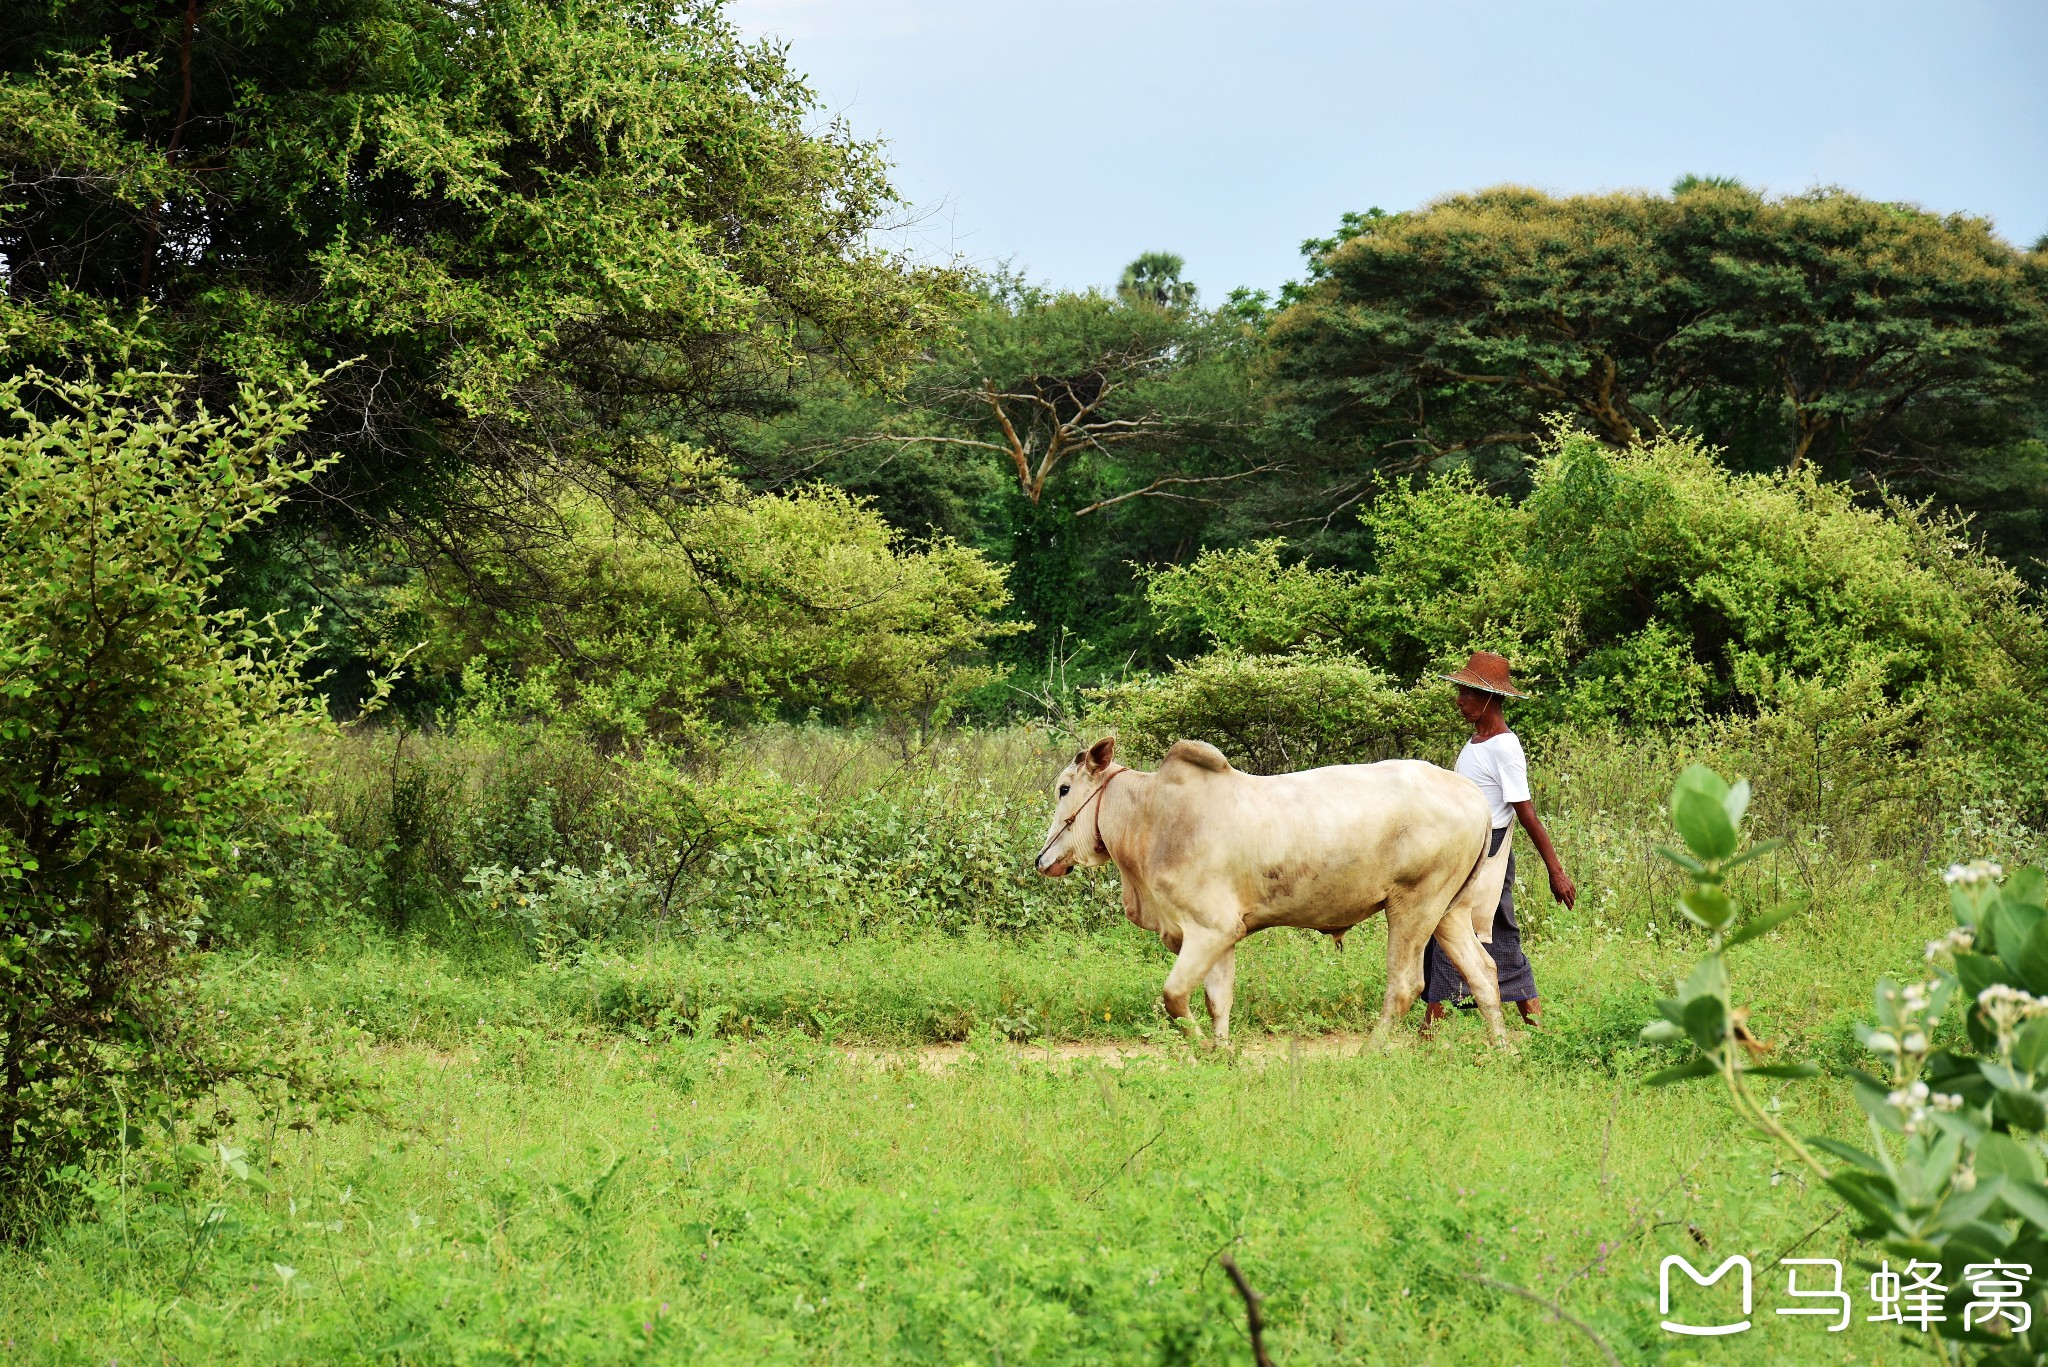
{"x": 1562, "y": 887}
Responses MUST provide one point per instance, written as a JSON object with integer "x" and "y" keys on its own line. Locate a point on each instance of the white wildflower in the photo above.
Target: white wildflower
{"x": 1945, "y": 1101}
{"x": 1957, "y": 940}
{"x": 1914, "y": 1043}
{"x": 2005, "y": 1007}
{"x": 1976, "y": 871}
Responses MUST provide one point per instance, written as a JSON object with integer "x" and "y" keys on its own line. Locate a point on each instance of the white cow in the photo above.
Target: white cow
{"x": 1208, "y": 855}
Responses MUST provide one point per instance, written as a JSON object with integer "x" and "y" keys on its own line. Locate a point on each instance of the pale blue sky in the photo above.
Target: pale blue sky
{"x": 1072, "y": 136}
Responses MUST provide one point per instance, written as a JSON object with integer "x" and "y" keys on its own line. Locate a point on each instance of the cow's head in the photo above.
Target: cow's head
{"x": 1072, "y": 838}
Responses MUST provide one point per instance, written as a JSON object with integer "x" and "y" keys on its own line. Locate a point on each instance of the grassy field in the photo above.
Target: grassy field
{"x": 726, "y": 1148}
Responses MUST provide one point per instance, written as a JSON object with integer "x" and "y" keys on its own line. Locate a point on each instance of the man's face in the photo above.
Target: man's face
{"x": 1472, "y": 703}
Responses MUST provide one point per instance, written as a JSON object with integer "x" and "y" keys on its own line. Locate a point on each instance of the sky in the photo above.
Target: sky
{"x": 1067, "y": 137}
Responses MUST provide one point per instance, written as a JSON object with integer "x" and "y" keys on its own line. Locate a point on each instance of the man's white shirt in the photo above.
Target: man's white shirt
{"x": 1501, "y": 770}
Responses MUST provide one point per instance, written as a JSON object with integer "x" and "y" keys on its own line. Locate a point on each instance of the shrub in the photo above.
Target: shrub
{"x": 1276, "y": 713}
{"x": 627, "y": 624}
{"x": 139, "y": 728}
{"x": 1650, "y": 586}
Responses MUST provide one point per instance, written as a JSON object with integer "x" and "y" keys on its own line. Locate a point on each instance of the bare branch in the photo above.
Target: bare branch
{"x": 1553, "y": 1307}
{"x": 1256, "y": 1322}
{"x": 1159, "y": 484}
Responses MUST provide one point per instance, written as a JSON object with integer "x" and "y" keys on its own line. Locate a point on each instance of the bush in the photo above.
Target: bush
{"x": 633, "y": 624}
{"x": 1274, "y": 714}
{"x": 139, "y": 729}
{"x": 1652, "y": 587}
{"x": 532, "y": 837}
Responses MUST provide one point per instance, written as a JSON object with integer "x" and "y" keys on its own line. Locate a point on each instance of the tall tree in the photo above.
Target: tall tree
{"x": 536, "y": 230}
{"x": 1086, "y": 406}
{"x": 1154, "y": 278}
{"x": 1872, "y": 341}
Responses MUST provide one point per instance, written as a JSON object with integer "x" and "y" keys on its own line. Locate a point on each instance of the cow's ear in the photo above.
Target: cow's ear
{"x": 1099, "y": 753}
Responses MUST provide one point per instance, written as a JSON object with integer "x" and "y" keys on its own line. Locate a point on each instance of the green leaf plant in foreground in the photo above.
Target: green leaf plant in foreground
{"x": 1952, "y": 1174}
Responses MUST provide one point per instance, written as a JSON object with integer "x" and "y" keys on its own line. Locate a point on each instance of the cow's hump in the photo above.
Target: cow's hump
{"x": 1198, "y": 753}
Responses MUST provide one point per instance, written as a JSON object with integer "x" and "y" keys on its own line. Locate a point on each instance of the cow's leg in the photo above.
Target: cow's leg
{"x": 1454, "y": 936}
{"x": 1217, "y": 990}
{"x": 1200, "y": 948}
{"x": 1407, "y": 933}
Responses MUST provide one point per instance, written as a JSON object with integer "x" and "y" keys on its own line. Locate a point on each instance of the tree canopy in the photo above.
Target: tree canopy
{"x": 530, "y": 229}
{"x": 1872, "y": 342}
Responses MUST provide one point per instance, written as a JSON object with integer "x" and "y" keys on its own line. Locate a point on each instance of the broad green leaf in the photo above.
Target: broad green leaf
{"x": 1662, "y": 1032}
{"x": 1783, "y": 1070}
{"x": 1737, "y": 802}
{"x": 1874, "y": 1105}
{"x": 1684, "y": 861}
{"x": 1707, "y": 907}
{"x": 1870, "y": 1196}
{"x": 1959, "y": 1208}
{"x": 1999, "y": 1075}
{"x": 1978, "y": 971}
{"x": 2028, "y": 1200}
{"x": 1706, "y": 1020}
{"x": 1848, "y": 1152}
{"x": 1762, "y": 924}
{"x": 1701, "y": 818}
{"x": 2027, "y": 886}
{"x": 2014, "y": 923}
{"x": 1932, "y": 1172}
{"x": 2022, "y": 1107}
{"x": 1756, "y": 851}
{"x": 2008, "y": 1157}
{"x": 2030, "y": 1049}
{"x": 1886, "y": 997}
{"x": 1709, "y": 977}
{"x": 2033, "y": 964}
{"x": 1964, "y": 1123}
{"x": 1684, "y": 1072}
{"x": 1671, "y": 1009}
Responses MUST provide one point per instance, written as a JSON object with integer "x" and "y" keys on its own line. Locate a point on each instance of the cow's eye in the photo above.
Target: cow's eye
{"x": 1065, "y": 788}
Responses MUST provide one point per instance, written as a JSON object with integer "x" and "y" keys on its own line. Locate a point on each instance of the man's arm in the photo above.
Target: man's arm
{"x": 1561, "y": 885}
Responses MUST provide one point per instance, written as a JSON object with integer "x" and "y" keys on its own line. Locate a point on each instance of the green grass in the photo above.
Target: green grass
{"x": 561, "y": 1163}
{"x": 541, "y": 1199}
{"x": 555, "y": 1157}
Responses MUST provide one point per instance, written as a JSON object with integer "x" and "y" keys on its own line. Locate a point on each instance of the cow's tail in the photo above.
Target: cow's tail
{"x": 1479, "y": 895}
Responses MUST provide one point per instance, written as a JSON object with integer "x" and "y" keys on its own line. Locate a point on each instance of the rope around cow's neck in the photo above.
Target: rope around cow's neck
{"x": 1094, "y": 797}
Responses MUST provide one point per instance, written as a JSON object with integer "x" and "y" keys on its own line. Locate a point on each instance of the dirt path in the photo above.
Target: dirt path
{"x": 1259, "y": 1049}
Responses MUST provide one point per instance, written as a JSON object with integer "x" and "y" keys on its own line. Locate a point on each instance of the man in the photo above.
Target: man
{"x": 1493, "y": 759}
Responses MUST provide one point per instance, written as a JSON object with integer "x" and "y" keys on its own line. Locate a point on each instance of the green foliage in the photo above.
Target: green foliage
{"x": 140, "y": 729}
{"x": 544, "y": 226}
{"x": 1154, "y": 278}
{"x": 1952, "y": 1173}
{"x": 1651, "y": 586}
{"x": 1273, "y": 714}
{"x": 533, "y": 840}
{"x": 1071, "y": 432}
{"x": 547, "y": 230}
{"x": 1866, "y": 339}
{"x": 631, "y": 624}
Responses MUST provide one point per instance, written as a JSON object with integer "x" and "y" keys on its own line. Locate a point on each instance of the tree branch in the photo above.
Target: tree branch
{"x": 1158, "y": 484}
{"x": 1256, "y": 1322}
{"x": 1552, "y": 1306}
